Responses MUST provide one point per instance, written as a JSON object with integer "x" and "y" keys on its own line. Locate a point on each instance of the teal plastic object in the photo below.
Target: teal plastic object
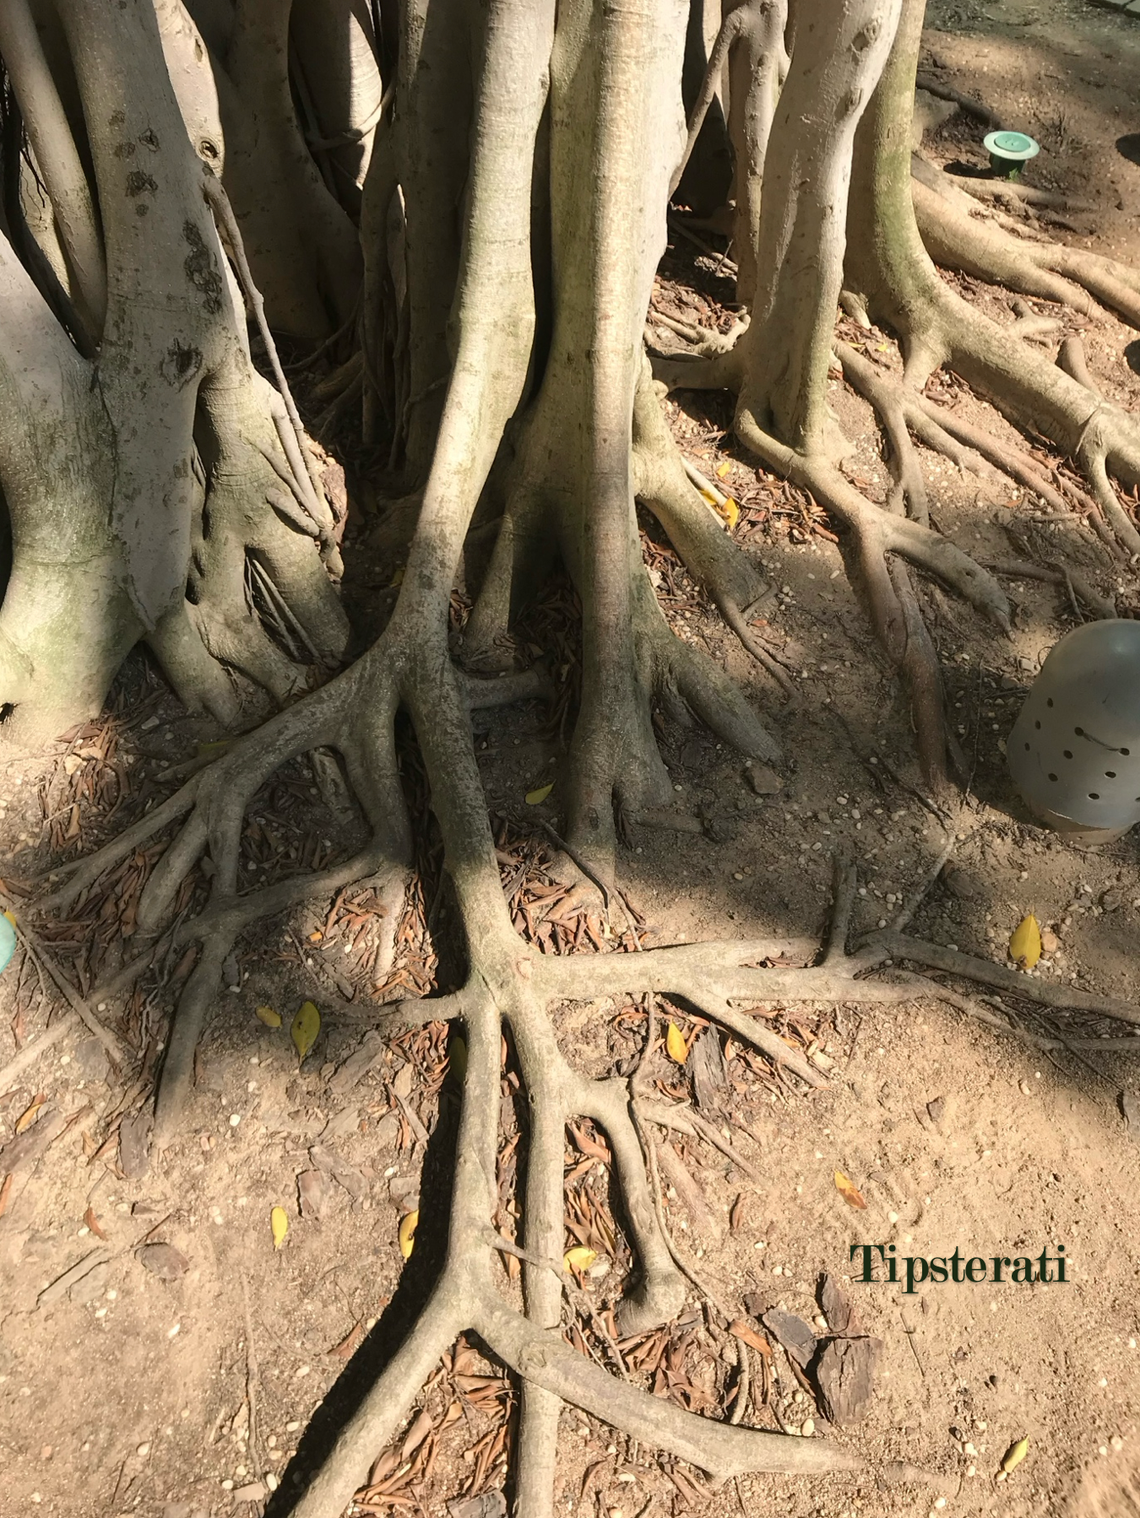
{"x": 7, "y": 940}
{"x": 1009, "y": 151}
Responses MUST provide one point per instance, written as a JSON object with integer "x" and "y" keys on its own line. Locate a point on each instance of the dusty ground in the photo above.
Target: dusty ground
{"x": 192, "y": 1380}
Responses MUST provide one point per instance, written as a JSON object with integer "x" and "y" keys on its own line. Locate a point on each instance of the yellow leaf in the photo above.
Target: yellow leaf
{"x": 1014, "y": 1455}
{"x": 722, "y": 469}
{"x": 1025, "y": 943}
{"x": 533, "y": 798}
{"x": 457, "y": 1058}
{"x": 579, "y": 1258}
{"x": 730, "y": 511}
{"x": 29, "y": 1115}
{"x": 675, "y": 1044}
{"x": 279, "y": 1223}
{"x": 708, "y": 496}
{"x": 849, "y": 1191}
{"x": 407, "y": 1233}
{"x": 212, "y": 750}
{"x": 269, "y": 1017}
{"x": 398, "y": 577}
{"x": 304, "y": 1029}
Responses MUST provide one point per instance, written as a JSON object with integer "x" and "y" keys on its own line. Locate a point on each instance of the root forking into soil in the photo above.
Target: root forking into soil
{"x": 514, "y": 214}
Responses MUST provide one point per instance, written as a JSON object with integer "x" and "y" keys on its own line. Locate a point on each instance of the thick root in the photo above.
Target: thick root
{"x": 958, "y": 240}
{"x": 875, "y": 534}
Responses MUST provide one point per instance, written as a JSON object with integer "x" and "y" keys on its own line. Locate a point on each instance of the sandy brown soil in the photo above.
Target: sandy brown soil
{"x": 202, "y": 1382}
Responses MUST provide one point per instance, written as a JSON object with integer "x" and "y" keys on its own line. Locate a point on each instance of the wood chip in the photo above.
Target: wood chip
{"x": 314, "y": 1191}
{"x": 163, "y": 1261}
{"x": 793, "y": 1333}
{"x": 836, "y": 1306}
{"x": 134, "y": 1144}
{"x": 710, "y": 1075}
{"x": 357, "y": 1065}
{"x": 486, "y": 1505}
{"x": 845, "y": 1375}
{"x": 744, "y": 1331}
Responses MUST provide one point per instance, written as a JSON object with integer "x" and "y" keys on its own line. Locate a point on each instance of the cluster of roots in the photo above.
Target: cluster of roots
{"x": 530, "y": 410}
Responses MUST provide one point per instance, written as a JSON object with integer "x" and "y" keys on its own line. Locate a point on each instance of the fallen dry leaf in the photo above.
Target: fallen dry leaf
{"x": 93, "y": 1223}
{"x": 305, "y": 1027}
{"x": 849, "y": 1191}
{"x": 407, "y": 1233}
{"x": 742, "y": 1330}
{"x": 675, "y": 1045}
{"x": 1014, "y": 1455}
{"x": 579, "y": 1258}
{"x": 279, "y": 1226}
{"x": 416, "y": 1435}
{"x": 1025, "y": 943}
{"x": 30, "y": 1113}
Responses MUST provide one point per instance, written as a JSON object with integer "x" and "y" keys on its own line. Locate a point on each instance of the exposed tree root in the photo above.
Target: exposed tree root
{"x": 888, "y": 272}
{"x": 903, "y": 410}
{"x": 592, "y": 86}
{"x": 959, "y": 240}
{"x": 888, "y": 265}
{"x": 510, "y": 983}
{"x": 877, "y": 533}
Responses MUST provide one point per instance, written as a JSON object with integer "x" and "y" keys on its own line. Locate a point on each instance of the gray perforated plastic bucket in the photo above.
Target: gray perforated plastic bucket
{"x": 1074, "y": 752}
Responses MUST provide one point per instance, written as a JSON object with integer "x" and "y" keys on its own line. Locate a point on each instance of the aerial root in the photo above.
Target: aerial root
{"x": 664, "y": 482}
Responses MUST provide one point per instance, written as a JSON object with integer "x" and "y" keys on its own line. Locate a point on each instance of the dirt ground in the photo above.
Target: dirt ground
{"x": 159, "y": 1356}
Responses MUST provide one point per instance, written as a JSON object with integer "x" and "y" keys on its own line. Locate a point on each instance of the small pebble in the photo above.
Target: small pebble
{"x": 143, "y": 1449}
{"x": 808, "y": 1428}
